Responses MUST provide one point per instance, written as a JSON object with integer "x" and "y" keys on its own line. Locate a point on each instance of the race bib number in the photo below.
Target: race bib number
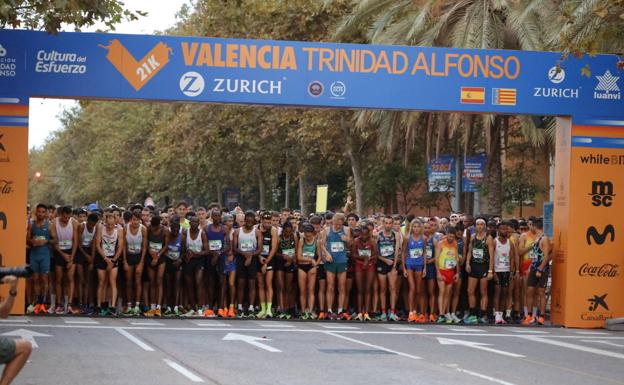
{"x": 532, "y": 255}
{"x": 416, "y": 253}
{"x": 195, "y": 248}
{"x": 364, "y": 253}
{"x": 504, "y": 259}
{"x": 450, "y": 264}
{"x": 308, "y": 254}
{"x": 134, "y": 248}
{"x": 86, "y": 241}
{"x": 386, "y": 250}
{"x": 40, "y": 237}
{"x": 336, "y": 247}
{"x": 65, "y": 245}
{"x": 288, "y": 252}
{"x": 109, "y": 249}
{"x": 175, "y": 255}
{"x": 155, "y": 246}
{"x": 477, "y": 254}
{"x": 214, "y": 245}
{"x": 266, "y": 249}
{"x": 429, "y": 253}
{"x": 246, "y": 246}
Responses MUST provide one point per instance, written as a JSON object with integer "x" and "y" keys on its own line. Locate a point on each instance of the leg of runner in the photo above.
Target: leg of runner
{"x": 392, "y": 287}
{"x": 342, "y": 291}
{"x": 101, "y": 288}
{"x": 370, "y": 277}
{"x": 431, "y": 293}
{"x": 322, "y": 290}
{"x": 441, "y": 300}
{"x": 130, "y": 295}
{"x": 311, "y": 287}
{"x": 261, "y": 293}
{"x": 232, "y": 292}
{"x": 496, "y": 300}
{"x": 360, "y": 289}
{"x": 113, "y": 284}
{"x": 79, "y": 283}
{"x": 455, "y": 297}
{"x": 199, "y": 286}
{"x": 279, "y": 283}
{"x": 483, "y": 291}
{"x": 331, "y": 289}
{"x": 420, "y": 297}
{"x": 472, "y": 299}
{"x": 302, "y": 278}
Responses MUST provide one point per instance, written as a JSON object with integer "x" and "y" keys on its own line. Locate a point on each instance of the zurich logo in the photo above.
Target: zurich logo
{"x": 556, "y": 75}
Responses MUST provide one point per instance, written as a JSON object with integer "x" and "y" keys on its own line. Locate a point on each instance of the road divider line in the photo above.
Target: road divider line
{"x": 213, "y": 324}
{"x": 183, "y": 371}
{"x": 79, "y": 321}
{"x": 590, "y": 333}
{"x": 19, "y": 320}
{"x": 568, "y": 345}
{"x": 482, "y": 376}
{"x": 134, "y": 339}
{"x": 274, "y": 325}
{"x": 403, "y": 328}
{"x": 526, "y": 330}
{"x": 333, "y": 333}
{"x": 467, "y": 329}
{"x": 604, "y": 343}
{"x": 340, "y": 327}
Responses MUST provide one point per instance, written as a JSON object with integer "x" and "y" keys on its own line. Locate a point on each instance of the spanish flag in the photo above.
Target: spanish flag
{"x": 504, "y": 96}
{"x": 472, "y": 95}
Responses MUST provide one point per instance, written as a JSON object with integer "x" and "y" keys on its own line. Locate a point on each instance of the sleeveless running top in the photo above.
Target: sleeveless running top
{"x": 195, "y": 245}
{"x": 309, "y": 250}
{"x": 429, "y": 249}
{"x": 502, "y": 263}
{"x": 364, "y": 248}
{"x": 247, "y": 242}
{"x": 65, "y": 235}
{"x": 215, "y": 238}
{"x": 287, "y": 246}
{"x": 40, "y": 233}
{"x": 336, "y": 246}
{"x": 109, "y": 242}
{"x": 156, "y": 239}
{"x": 537, "y": 254}
{"x": 267, "y": 238}
{"x": 528, "y": 240}
{"x": 415, "y": 251}
{"x": 480, "y": 251}
{"x": 448, "y": 255}
{"x": 174, "y": 247}
{"x": 134, "y": 242}
{"x": 386, "y": 245}
{"x": 86, "y": 240}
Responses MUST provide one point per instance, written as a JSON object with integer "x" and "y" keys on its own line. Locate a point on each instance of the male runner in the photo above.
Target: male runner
{"x": 134, "y": 259}
{"x": 227, "y": 268}
{"x": 447, "y": 272}
{"x": 266, "y": 259}
{"x": 109, "y": 241}
{"x": 195, "y": 246}
{"x": 364, "y": 252}
{"x": 388, "y": 243}
{"x": 336, "y": 239}
{"x": 538, "y": 274}
{"x": 215, "y": 233}
{"x": 505, "y": 264}
{"x": 39, "y": 240}
{"x": 157, "y": 238}
{"x": 84, "y": 261}
{"x": 173, "y": 266}
{"x": 480, "y": 269}
{"x": 64, "y": 232}
{"x": 247, "y": 241}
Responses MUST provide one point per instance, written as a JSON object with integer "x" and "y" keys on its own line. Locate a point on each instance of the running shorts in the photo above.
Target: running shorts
{"x": 478, "y": 270}
{"x": 336, "y": 267}
{"x": 448, "y": 275}
{"x": 383, "y": 268}
{"x": 360, "y": 268}
{"x": 534, "y": 281}
{"x": 503, "y": 278}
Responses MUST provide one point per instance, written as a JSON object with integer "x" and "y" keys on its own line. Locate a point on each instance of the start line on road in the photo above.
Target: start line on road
{"x": 195, "y": 353}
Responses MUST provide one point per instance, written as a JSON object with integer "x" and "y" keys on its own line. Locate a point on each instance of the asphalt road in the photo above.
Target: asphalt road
{"x": 135, "y": 351}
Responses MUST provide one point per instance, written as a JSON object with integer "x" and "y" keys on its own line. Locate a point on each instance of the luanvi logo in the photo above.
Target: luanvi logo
{"x": 598, "y": 301}
{"x": 602, "y": 193}
{"x": 137, "y": 73}
{"x": 600, "y": 237}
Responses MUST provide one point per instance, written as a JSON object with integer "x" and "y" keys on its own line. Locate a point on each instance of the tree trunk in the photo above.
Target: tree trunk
{"x": 493, "y": 179}
{"x": 287, "y": 188}
{"x": 219, "y": 195}
{"x": 303, "y": 195}
{"x": 356, "y": 167}
{"x": 261, "y": 187}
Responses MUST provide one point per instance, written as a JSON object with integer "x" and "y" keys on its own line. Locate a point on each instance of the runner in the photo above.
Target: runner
{"x": 336, "y": 241}
{"x": 38, "y": 238}
{"x": 457, "y": 287}
{"x": 133, "y": 262}
{"x": 173, "y": 266}
{"x": 109, "y": 240}
{"x": 227, "y": 268}
{"x": 246, "y": 240}
{"x": 505, "y": 263}
{"x": 430, "y": 269}
{"x": 215, "y": 233}
{"x": 285, "y": 267}
{"x": 307, "y": 259}
{"x": 447, "y": 268}
{"x": 182, "y": 208}
{"x": 84, "y": 261}
{"x": 538, "y": 274}
{"x": 64, "y": 232}
{"x": 157, "y": 238}
{"x": 321, "y": 274}
{"x": 195, "y": 246}
{"x": 146, "y": 216}
{"x": 352, "y": 222}
{"x": 364, "y": 251}
{"x": 525, "y": 245}
{"x": 388, "y": 245}
{"x": 267, "y": 263}
{"x": 414, "y": 265}
{"x": 480, "y": 268}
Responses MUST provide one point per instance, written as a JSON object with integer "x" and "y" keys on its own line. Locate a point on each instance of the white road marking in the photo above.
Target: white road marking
{"x": 590, "y": 333}
{"x": 604, "y": 343}
{"x": 183, "y": 371}
{"x": 581, "y": 348}
{"x": 467, "y": 329}
{"x": 79, "y": 321}
{"x": 137, "y": 341}
{"x": 145, "y": 322}
{"x": 526, "y": 330}
{"x": 337, "y": 327}
{"x": 372, "y": 345}
{"x": 477, "y": 345}
{"x": 274, "y": 325}
{"x": 403, "y": 328}
{"x": 255, "y": 341}
{"x": 483, "y": 376}
{"x": 19, "y": 320}
{"x": 210, "y": 323}
{"x": 27, "y": 335}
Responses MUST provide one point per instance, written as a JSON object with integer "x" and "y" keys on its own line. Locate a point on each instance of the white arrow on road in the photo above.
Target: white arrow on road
{"x": 255, "y": 341}
{"x": 477, "y": 345}
{"x": 27, "y": 335}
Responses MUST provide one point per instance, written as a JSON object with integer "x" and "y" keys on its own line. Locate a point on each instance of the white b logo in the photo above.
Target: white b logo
{"x": 3, "y": 51}
{"x": 192, "y": 84}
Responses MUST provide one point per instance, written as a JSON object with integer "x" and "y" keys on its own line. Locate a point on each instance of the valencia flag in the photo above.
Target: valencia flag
{"x": 504, "y": 96}
{"x": 472, "y": 95}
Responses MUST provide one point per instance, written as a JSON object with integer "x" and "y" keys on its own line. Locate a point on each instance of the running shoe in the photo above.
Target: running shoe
{"x": 412, "y": 317}
{"x": 341, "y": 316}
{"x": 354, "y": 315}
{"x": 432, "y": 318}
{"x": 441, "y": 319}
{"x": 129, "y": 312}
{"x": 30, "y": 309}
{"x": 104, "y": 312}
{"x": 540, "y": 320}
{"x": 471, "y": 320}
{"x": 421, "y": 319}
{"x": 71, "y": 310}
{"x": 41, "y": 309}
{"x": 177, "y": 311}
{"x": 305, "y": 316}
{"x": 322, "y": 316}
{"x": 221, "y": 313}
{"x": 287, "y": 316}
{"x": 484, "y": 320}
{"x": 367, "y": 317}
{"x": 449, "y": 320}
{"x": 313, "y": 315}
{"x": 209, "y": 313}
{"x": 137, "y": 311}
{"x": 149, "y": 313}
{"x": 231, "y": 312}
{"x": 393, "y": 317}
{"x": 332, "y": 316}
{"x": 52, "y": 309}
{"x": 455, "y": 318}
{"x": 466, "y": 316}
{"x": 384, "y": 317}
{"x": 190, "y": 313}
{"x": 261, "y": 314}
{"x": 528, "y": 320}
{"x": 269, "y": 313}
{"x": 359, "y": 317}
{"x": 509, "y": 320}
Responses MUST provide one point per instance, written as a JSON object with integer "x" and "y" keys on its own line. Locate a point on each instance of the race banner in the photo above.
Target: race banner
{"x": 473, "y": 172}
{"x": 441, "y": 173}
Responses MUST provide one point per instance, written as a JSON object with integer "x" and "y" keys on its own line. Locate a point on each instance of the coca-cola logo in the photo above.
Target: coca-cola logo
{"x": 6, "y": 186}
{"x": 607, "y": 270}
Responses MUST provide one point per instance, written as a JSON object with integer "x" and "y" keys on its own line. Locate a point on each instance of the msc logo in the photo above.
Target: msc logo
{"x": 137, "y": 73}
{"x": 602, "y": 193}
{"x": 192, "y": 84}
{"x": 338, "y": 90}
{"x": 600, "y": 238}
{"x": 598, "y": 301}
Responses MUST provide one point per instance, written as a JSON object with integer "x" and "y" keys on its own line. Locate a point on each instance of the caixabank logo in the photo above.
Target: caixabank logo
{"x": 598, "y": 309}
{"x": 137, "y": 72}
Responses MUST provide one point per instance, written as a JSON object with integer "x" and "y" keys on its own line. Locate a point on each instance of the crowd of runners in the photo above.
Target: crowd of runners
{"x": 210, "y": 262}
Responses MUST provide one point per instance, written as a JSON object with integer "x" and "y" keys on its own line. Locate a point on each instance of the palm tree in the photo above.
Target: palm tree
{"x": 484, "y": 24}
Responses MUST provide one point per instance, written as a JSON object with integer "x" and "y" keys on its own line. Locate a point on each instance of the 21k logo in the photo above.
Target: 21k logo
{"x": 137, "y": 73}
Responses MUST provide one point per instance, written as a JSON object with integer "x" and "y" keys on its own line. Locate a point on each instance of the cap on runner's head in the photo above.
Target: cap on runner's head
{"x": 228, "y": 217}
{"x": 113, "y": 206}
{"x": 267, "y": 215}
{"x": 136, "y": 206}
{"x": 92, "y": 206}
